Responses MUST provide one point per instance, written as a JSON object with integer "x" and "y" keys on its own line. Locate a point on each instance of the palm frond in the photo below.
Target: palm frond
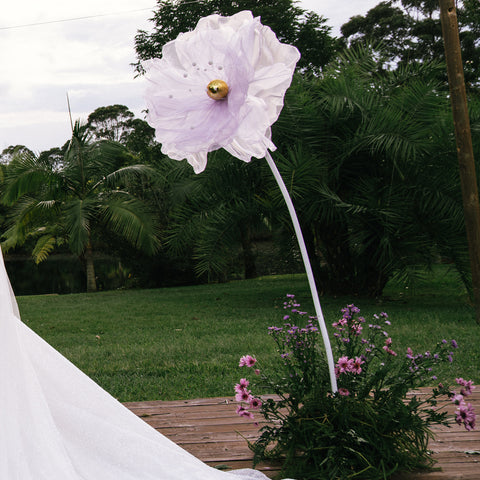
{"x": 78, "y": 215}
{"x": 44, "y": 246}
{"x": 129, "y": 218}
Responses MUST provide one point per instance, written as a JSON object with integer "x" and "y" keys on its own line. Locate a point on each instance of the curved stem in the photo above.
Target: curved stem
{"x": 308, "y": 268}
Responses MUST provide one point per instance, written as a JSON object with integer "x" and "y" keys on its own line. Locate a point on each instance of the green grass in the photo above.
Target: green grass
{"x": 178, "y": 343}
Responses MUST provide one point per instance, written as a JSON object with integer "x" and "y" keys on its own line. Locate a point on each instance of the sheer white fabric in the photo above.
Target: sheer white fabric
{"x": 257, "y": 69}
{"x": 57, "y": 424}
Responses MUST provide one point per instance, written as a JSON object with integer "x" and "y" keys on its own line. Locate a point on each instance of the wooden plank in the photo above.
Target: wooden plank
{"x": 211, "y": 430}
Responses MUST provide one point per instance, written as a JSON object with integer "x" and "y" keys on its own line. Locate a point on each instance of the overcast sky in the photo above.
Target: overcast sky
{"x": 49, "y": 48}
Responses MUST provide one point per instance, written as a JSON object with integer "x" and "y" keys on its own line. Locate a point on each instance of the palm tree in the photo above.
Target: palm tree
{"x": 218, "y": 214}
{"x": 65, "y": 202}
{"x": 375, "y": 181}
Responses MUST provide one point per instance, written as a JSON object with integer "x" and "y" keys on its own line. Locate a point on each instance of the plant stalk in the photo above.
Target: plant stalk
{"x": 308, "y": 268}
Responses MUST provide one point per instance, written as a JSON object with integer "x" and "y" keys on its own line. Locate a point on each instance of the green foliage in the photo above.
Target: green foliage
{"x": 220, "y": 213}
{"x": 374, "y": 176}
{"x": 293, "y": 25}
{"x": 63, "y": 201}
{"x": 371, "y": 427}
{"x": 410, "y": 31}
{"x": 110, "y": 123}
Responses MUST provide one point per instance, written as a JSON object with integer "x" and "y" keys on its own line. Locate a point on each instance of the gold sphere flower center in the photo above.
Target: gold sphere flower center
{"x": 217, "y": 89}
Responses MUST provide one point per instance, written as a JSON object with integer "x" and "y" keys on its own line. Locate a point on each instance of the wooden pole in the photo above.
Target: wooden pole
{"x": 468, "y": 178}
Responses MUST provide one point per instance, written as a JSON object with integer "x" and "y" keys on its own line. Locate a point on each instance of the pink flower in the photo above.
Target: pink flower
{"x": 356, "y": 367}
{"x": 466, "y": 415}
{"x": 468, "y": 386}
{"x": 344, "y": 392}
{"x": 240, "y": 387}
{"x": 243, "y": 412}
{"x": 345, "y": 364}
{"x": 255, "y": 403}
{"x": 357, "y": 329}
{"x": 389, "y": 351}
{"x": 247, "y": 361}
{"x": 243, "y": 396}
{"x": 457, "y": 399}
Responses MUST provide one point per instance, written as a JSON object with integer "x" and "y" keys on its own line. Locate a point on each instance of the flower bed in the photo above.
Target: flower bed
{"x": 368, "y": 428}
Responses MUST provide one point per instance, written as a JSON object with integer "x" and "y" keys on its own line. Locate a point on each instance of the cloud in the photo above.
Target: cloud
{"x": 89, "y": 58}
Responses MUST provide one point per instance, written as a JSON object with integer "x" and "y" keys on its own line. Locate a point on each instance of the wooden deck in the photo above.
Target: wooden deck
{"x": 211, "y": 430}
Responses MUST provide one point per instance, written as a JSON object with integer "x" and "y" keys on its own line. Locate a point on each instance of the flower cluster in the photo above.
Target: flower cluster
{"x": 464, "y": 414}
{"x": 243, "y": 394}
{"x": 375, "y": 398}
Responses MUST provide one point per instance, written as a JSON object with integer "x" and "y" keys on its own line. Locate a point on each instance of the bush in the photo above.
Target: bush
{"x": 371, "y": 426}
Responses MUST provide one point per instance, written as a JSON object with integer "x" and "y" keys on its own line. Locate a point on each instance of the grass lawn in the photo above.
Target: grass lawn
{"x": 185, "y": 342}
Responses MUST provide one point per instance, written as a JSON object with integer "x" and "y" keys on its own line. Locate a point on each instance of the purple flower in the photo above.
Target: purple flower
{"x": 454, "y": 344}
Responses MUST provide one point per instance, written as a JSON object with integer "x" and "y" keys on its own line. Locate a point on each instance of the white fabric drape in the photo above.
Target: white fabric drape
{"x": 57, "y": 424}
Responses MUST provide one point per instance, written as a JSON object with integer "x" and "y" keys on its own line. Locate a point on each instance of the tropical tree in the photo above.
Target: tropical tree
{"x": 218, "y": 214}
{"x": 410, "y": 31}
{"x": 374, "y": 176}
{"x": 7, "y": 153}
{"x": 110, "y": 123}
{"x": 292, "y": 24}
{"x": 70, "y": 202}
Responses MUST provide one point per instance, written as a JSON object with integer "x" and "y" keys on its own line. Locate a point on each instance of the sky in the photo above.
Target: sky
{"x": 53, "y": 48}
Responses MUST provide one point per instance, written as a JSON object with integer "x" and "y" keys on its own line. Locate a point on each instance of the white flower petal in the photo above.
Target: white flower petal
{"x": 257, "y": 69}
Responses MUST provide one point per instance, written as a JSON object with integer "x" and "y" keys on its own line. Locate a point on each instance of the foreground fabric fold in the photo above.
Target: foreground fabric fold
{"x": 57, "y": 424}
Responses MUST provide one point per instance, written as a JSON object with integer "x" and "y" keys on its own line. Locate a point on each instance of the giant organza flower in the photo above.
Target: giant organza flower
{"x": 220, "y": 85}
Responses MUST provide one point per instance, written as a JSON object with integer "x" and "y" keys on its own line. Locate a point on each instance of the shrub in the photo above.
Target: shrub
{"x": 373, "y": 425}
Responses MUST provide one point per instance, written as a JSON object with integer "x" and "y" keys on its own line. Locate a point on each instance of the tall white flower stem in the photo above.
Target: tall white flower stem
{"x": 308, "y": 268}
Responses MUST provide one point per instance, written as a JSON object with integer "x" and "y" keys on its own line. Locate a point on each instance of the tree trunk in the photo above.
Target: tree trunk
{"x": 250, "y": 268}
{"x": 458, "y": 96}
{"x": 90, "y": 270}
